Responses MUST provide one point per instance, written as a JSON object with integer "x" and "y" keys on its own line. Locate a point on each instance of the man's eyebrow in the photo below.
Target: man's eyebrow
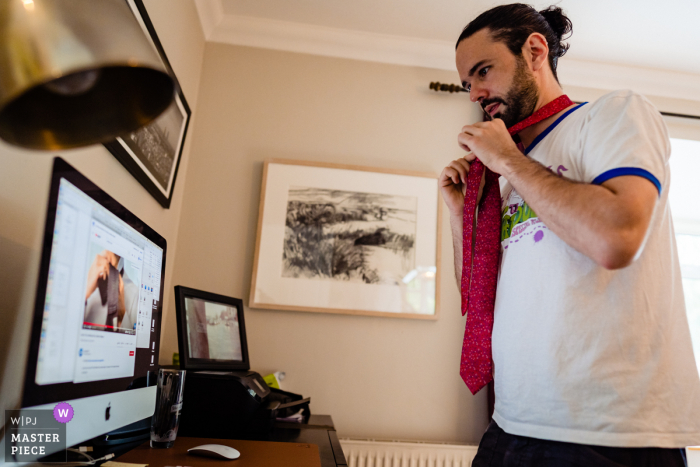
{"x": 474, "y": 68}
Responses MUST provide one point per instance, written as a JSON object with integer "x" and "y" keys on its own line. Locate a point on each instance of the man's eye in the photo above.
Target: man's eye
{"x": 483, "y": 71}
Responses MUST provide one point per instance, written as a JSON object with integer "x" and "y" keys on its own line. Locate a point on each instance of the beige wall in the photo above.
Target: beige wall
{"x": 24, "y": 184}
{"x": 377, "y": 377}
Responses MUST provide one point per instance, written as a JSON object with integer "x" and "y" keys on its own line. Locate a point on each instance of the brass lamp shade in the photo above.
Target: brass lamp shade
{"x": 75, "y": 73}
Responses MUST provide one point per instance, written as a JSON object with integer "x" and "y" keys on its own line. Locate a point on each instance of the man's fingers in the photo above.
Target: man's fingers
{"x": 498, "y": 122}
{"x": 462, "y": 168}
{"x": 464, "y": 162}
{"x": 475, "y": 128}
{"x": 463, "y": 140}
{"x": 456, "y": 172}
{"x": 449, "y": 176}
{"x": 445, "y": 178}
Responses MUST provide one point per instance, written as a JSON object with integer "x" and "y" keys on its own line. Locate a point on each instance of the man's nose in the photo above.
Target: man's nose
{"x": 477, "y": 94}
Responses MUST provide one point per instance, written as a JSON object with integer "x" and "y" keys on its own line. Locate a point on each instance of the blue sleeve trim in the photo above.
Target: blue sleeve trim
{"x": 605, "y": 176}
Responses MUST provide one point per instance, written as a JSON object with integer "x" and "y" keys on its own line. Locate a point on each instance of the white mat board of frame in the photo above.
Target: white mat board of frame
{"x": 345, "y": 239}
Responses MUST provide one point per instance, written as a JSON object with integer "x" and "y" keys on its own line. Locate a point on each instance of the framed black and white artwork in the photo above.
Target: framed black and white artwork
{"x": 152, "y": 153}
{"x": 346, "y": 239}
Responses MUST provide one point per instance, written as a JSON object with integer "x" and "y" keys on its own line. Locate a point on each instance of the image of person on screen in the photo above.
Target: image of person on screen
{"x": 111, "y": 297}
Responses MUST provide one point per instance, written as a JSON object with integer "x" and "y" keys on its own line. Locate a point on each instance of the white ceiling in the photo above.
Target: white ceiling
{"x": 647, "y": 33}
{"x": 644, "y": 42}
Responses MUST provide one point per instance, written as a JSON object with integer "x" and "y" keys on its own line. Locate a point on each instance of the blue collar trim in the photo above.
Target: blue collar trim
{"x": 541, "y": 136}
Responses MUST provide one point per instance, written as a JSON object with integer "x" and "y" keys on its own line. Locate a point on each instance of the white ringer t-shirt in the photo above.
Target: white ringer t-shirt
{"x": 583, "y": 354}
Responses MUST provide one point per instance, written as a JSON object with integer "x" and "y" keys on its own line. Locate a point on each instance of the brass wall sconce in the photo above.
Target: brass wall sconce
{"x": 75, "y": 73}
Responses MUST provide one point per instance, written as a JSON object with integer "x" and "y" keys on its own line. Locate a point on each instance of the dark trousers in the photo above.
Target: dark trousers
{"x": 500, "y": 449}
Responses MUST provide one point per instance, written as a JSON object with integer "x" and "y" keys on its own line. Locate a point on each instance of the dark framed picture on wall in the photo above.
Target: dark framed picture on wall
{"x": 347, "y": 239}
{"x": 152, "y": 153}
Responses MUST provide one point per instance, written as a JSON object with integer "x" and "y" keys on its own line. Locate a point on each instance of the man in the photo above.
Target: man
{"x": 121, "y": 290}
{"x": 591, "y": 348}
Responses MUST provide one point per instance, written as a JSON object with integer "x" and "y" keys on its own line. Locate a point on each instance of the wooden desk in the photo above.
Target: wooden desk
{"x": 253, "y": 454}
{"x": 318, "y": 430}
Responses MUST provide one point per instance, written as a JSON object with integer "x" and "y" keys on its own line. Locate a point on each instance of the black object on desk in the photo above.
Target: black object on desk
{"x": 221, "y": 404}
{"x": 233, "y": 404}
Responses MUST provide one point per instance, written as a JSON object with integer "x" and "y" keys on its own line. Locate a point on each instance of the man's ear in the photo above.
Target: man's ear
{"x": 536, "y": 51}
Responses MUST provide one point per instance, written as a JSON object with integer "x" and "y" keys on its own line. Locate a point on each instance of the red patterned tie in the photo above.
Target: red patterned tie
{"x": 480, "y": 274}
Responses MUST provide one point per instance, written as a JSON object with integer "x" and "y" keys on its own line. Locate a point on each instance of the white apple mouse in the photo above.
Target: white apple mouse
{"x": 217, "y": 451}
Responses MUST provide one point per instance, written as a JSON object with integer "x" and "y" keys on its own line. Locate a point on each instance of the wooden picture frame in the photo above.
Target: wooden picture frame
{"x": 346, "y": 239}
{"x": 152, "y": 153}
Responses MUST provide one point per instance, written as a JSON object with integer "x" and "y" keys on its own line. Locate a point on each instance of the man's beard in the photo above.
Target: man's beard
{"x": 521, "y": 99}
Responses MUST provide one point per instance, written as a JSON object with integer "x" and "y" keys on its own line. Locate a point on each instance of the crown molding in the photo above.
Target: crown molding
{"x": 647, "y": 81}
{"x": 333, "y": 42}
{"x": 411, "y": 51}
{"x": 211, "y": 14}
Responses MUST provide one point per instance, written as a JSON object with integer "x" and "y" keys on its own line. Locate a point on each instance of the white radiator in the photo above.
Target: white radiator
{"x": 370, "y": 453}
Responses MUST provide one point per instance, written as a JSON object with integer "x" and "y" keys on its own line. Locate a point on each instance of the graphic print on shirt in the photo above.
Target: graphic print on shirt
{"x": 519, "y": 221}
{"x": 517, "y": 217}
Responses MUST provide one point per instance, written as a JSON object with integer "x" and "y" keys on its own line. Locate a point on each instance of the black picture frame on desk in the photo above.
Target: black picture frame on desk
{"x": 188, "y": 321}
{"x": 152, "y": 153}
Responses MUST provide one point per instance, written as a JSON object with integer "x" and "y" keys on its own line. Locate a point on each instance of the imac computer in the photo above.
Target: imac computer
{"x": 96, "y": 326}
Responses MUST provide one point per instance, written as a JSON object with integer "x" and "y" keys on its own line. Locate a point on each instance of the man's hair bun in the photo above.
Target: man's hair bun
{"x": 561, "y": 26}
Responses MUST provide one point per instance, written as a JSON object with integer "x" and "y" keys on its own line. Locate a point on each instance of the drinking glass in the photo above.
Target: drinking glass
{"x": 171, "y": 386}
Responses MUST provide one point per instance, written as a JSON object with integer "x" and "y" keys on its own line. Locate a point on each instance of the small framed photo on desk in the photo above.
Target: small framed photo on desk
{"x": 211, "y": 331}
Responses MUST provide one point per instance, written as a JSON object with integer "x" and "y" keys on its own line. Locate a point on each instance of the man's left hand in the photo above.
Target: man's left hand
{"x": 490, "y": 142}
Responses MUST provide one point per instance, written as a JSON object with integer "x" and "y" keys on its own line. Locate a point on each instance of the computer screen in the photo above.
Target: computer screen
{"x": 211, "y": 330}
{"x": 96, "y": 327}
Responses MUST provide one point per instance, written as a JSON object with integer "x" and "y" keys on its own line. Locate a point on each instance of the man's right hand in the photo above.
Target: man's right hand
{"x": 453, "y": 185}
